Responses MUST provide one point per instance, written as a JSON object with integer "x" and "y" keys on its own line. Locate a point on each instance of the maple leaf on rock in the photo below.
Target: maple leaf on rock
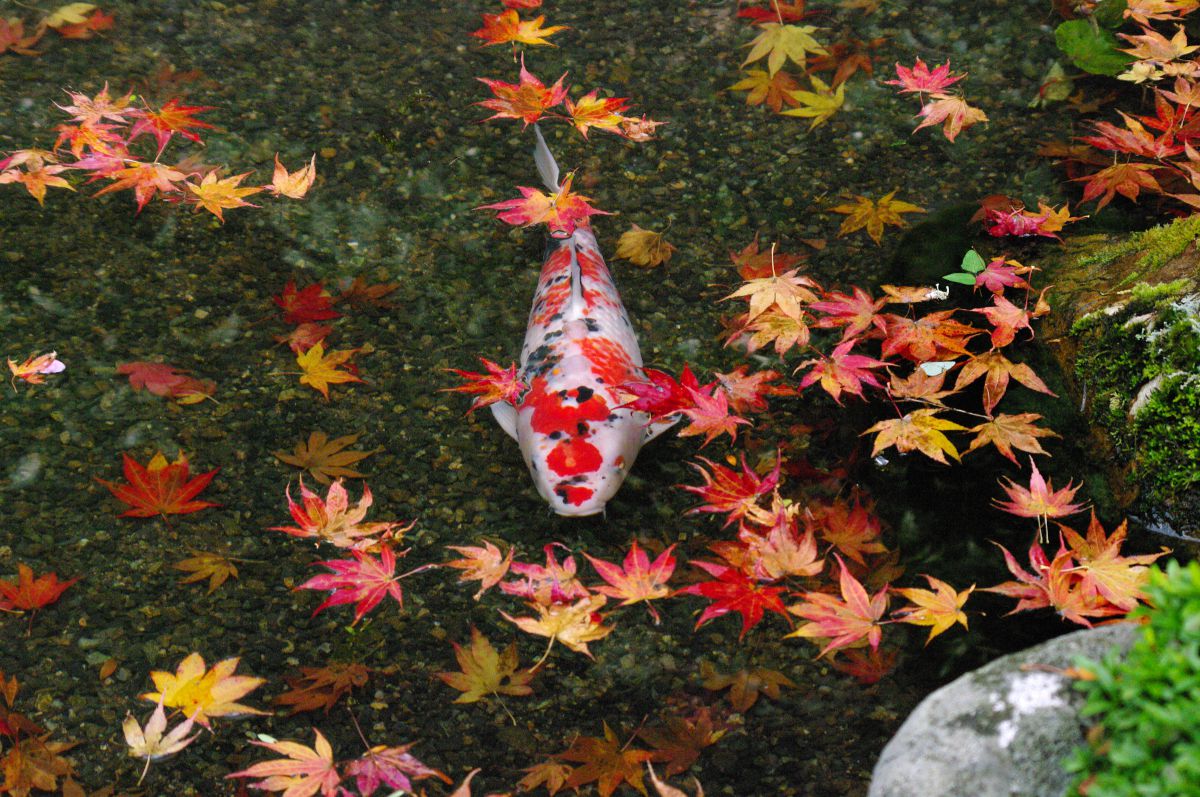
{"x": 842, "y": 622}
{"x": 497, "y": 385}
{"x": 484, "y": 672}
{"x": 389, "y": 766}
{"x": 873, "y": 214}
{"x": 212, "y": 566}
{"x": 326, "y": 459}
{"x": 313, "y": 303}
{"x": 939, "y": 609}
{"x": 363, "y": 581}
{"x": 320, "y": 370}
{"x": 28, "y": 594}
{"x": 526, "y": 100}
{"x": 561, "y": 211}
{"x": 321, "y": 687}
{"x": 638, "y": 579}
{"x": 920, "y": 430}
{"x": 159, "y": 487}
{"x": 508, "y": 26}
{"x": 605, "y": 761}
{"x": 731, "y": 590}
{"x": 778, "y": 43}
{"x": 774, "y": 91}
{"x": 203, "y": 693}
{"x": 485, "y": 564}
{"x": 304, "y": 771}
{"x": 216, "y": 195}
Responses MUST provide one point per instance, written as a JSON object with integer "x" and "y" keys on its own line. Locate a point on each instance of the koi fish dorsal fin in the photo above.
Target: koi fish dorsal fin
{"x": 576, "y": 306}
{"x": 546, "y": 165}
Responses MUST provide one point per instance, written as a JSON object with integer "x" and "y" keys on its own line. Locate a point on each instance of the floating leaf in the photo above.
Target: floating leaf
{"x": 326, "y": 459}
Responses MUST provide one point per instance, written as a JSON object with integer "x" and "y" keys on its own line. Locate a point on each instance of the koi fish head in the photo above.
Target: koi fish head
{"x": 578, "y": 447}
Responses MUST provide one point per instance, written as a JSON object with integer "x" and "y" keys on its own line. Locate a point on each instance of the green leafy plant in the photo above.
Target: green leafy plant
{"x": 1145, "y": 739}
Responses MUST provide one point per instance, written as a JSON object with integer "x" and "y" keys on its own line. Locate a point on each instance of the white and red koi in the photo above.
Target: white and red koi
{"x": 577, "y": 440}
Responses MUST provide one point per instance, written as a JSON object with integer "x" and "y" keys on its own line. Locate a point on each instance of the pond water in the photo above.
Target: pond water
{"x": 383, "y": 92}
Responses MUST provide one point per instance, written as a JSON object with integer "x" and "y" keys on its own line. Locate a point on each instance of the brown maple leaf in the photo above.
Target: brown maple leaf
{"x": 1007, "y": 432}
{"x": 326, "y": 459}
{"x": 216, "y": 568}
{"x": 745, "y": 685}
{"x": 605, "y": 761}
{"x": 321, "y": 687}
{"x": 680, "y": 740}
{"x": 357, "y": 293}
{"x": 35, "y": 762}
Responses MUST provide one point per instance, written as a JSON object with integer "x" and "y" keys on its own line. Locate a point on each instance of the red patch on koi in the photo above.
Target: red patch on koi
{"x": 551, "y": 413}
{"x": 572, "y": 494}
{"x": 574, "y": 456}
{"x": 609, "y": 360}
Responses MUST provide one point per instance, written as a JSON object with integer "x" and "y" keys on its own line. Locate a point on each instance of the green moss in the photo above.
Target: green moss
{"x": 1157, "y": 245}
{"x": 1165, "y": 290}
{"x": 1167, "y": 430}
{"x": 1155, "y": 336}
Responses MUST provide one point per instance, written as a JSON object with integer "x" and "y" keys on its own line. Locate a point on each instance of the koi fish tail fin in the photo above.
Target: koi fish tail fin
{"x": 546, "y": 165}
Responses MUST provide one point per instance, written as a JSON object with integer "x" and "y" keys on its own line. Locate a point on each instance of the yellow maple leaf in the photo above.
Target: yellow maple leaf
{"x": 786, "y": 291}
{"x": 574, "y": 625}
{"x": 920, "y": 430}
{"x": 644, "y": 248}
{"x": 939, "y": 610}
{"x": 204, "y": 693}
{"x": 321, "y": 370}
{"x": 70, "y": 14}
{"x": 215, "y": 195}
{"x": 818, "y": 104}
{"x": 873, "y": 214}
{"x": 486, "y": 672}
{"x": 780, "y": 42}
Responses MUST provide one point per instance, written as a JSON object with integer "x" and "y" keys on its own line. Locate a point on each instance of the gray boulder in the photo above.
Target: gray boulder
{"x": 999, "y": 731}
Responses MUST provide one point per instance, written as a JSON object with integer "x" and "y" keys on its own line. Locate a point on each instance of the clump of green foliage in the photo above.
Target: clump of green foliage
{"x": 1146, "y": 741}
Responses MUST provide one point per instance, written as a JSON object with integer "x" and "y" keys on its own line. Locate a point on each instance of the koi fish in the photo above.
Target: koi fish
{"x": 577, "y": 440}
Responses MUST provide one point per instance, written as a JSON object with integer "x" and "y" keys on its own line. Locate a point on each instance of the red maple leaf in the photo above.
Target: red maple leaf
{"x": 733, "y": 591}
{"x": 497, "y": 385}
{"x": 934, "y": 336}
{"x": 844, "y": 621}
{"x": 527, "y": 100}
{"x": 857, "y": 313}
{"x": 363, "y": 581}
{"x": 168, "y": 120}
{"x": 1006, "y": 318}
{"x": 999, "y": 274}
{"x": 736, "y": 494}
{"x": 920, "y": 80}
{"x": 146, "y": 179}
{"x": 842, "y": 371}
{"x": 159, "y": 487}
{"x": 709, "y": 415}
{"x": 659, "y": 395}
{"x": 1126, "y": 179}
{"x": 777, "y": 11}
{"x": 167, "y": 381}
{"x": 29, "y": 594}
{"x": 638, "y": 579}
{"x": 313, "y": 303}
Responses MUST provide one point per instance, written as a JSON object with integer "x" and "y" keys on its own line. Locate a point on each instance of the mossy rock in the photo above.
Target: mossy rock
{"x": 1126, "y": 332}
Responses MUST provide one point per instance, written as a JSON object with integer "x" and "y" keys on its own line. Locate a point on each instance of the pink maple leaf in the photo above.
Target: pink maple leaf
{"x": 305, "y": 772}
{"x": 919, "y": 79}
{"x": 363, "y": 581}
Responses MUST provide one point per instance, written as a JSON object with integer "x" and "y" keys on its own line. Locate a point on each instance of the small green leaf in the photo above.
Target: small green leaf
{"x": 1090, "y": 47}
{"x": 973, "y": 262}
{"x": 959, "y": 277}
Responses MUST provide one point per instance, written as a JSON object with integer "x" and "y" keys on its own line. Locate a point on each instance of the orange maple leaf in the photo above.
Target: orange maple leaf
{"x": 603, "y": 114}
{"x": 321, "y": 687}
{"x": 939, "y": 609}
{"x": 842, "y": 622}
{"x": 996, "y": 368}
{"x": 293, "y": 184}
{"x": 28, "y": 594}
{"x": 168, "y": 120}
{"x": 497, "y": 385}
{"x": 304, "y": 771}
{"x": 638, "y": 579}
{"x": 146, "y": 180}
{"x": 606, "y": 761}
{"x": 527, "y": 100}
{"x": 216, "y": 195}
{"x": 1007, "y": 432}
{"x": 1126, "y": 179}
{"x": 159, "y": 487}
{"x": 507, "y": 26}
{"x": 1103, "y": 571}
{"x": 774, "y": 91}
{"x": 561, "y": 211}
{"x": 842, "y": 372}
{"x": 484, "y": 564}
{"x": 203, "y": 692}
{"x": 951, "y": 109}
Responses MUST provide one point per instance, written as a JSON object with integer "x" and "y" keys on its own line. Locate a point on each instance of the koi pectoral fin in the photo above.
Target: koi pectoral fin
{"x": 505, "y": 415}
{"x": 658, "y": 427}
